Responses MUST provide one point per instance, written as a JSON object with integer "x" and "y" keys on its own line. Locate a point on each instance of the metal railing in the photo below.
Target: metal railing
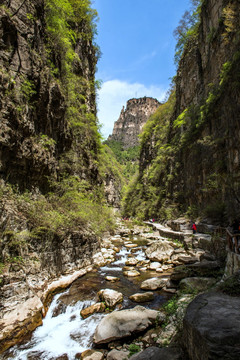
{"x": 233, "y": 241}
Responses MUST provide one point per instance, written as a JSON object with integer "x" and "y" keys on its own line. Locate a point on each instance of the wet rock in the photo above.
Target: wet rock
{"x": 156, "y": 353}
{"x": 144, "y": 268}
{"x": 196, "y": 283}
{"x": 98, "y": 259}
{"x": 117, "y": 355}
{"x": 169, "y": 290}
{"x": 130, "y": 246}
{"x": 132, "y": 261}
{"x": 95, "y": 308}
{"x": 131, "y": 273}
{"x": 160, "y": 251}
{"x": 154, "y": 283}
{"x": 142, "y": 297}
{"x": 154, "y": 265}
{"x": 92, "y": 355}
{"x": 110, "y": 297}
{"x": 120, "y": 324}
{"x": 112, "y": 278}
{"x": 216, "y": 336}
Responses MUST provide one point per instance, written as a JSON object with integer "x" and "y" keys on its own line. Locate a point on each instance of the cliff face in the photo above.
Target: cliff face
{"x": 132, "y": 119}
{"x": 193, "y": 166}
{"x": 35, "y": 127}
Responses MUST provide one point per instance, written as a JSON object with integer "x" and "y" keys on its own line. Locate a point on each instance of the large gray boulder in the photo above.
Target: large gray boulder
{"x": 211, "y": 327}
{"x": 160, "y": 251}
{"x": 120, "y": 324}
{"x": 156, "y": 353}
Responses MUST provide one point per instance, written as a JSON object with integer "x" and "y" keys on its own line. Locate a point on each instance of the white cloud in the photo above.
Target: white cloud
{"x": 114, "y": 94}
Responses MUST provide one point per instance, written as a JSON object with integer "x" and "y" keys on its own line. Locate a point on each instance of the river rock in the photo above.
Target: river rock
{"x": 185, "y": 259}
{"x": 112, "y": 278}
{"x": 211, "y": 327}
{"x": 160, "y": 251}
{"x": 123, "y": 323}
{"x": 98, "y": 259}
{"x": 205, "y": 266}
{"x": 180, "y": 272}
{"x": 130, "y": 246}
{"x": 92, "y": 355}
{"x": 117, "y": 355}
{"x": 196, "y": 283}
{"x": 95, "y": 308}
{"x": 154, "y": 265}
{"x": 156, "y": 353}
{"x": 154, "y": 283}
{"x": 132, "y": 261}
{"x": 110, "y": 297}
{"x": 131, "y": 273}
{"x": 142, "y": 297}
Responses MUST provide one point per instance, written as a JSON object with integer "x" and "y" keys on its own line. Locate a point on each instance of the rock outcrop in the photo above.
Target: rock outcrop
{"x": 211, "y": 327}
{"x": 132, "y": 119}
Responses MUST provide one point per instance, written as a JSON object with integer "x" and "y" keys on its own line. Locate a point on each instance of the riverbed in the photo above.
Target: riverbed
{"x": 64, "y": 334}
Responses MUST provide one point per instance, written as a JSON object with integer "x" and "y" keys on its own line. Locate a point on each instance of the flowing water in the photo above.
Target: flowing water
{"x": 64, "y": 334}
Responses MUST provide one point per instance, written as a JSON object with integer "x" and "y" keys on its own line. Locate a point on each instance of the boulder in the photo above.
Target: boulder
{"x": 131, "y": 273}
{"x": 154, "y": 283}
{"x": 154, "y": 265}
{"x": 92, "y": 355}
{"x": 117, "y": 355}
{"x": 132, "y": 261}
{"x": 124, "y": 323}
{"x": 156, "y": 353}
{"x": 211, "y": 327}
{"x": 110, "y": 297}
{"x": 185, "y": 259}
{"x": 160, "y": 251}
{"x": 142, "y": 297}
{"x": 197, "y": 283}
{"x": 95, "y": 308}
{"x": 180, "y": 272}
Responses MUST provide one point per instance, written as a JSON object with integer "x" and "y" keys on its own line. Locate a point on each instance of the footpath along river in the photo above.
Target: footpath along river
{"x": 64, "y": 334}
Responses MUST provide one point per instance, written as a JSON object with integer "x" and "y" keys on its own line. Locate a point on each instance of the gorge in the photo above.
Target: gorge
{"x": 60, "y": 186}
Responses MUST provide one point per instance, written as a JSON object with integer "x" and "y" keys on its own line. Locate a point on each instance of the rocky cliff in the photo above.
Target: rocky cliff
{"x": 52, "y": 164}
{"x": 132, "y": 119}
{"x": 189, "y": 153}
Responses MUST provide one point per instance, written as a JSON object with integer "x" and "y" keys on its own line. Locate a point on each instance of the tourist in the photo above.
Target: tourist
{"x": 194, "y": 228}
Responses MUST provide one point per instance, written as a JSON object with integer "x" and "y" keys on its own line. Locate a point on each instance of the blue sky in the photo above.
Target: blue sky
{"x": 137, "y": 44}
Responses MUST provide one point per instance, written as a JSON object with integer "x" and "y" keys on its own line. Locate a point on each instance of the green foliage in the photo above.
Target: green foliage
{"x": 133, "y": 349}
{"x": 28, "y": 90}
{"x": 230, "y": 286}
{"x": 171, "y": 306}
{"x": 187, "y": 29}
{"x": 128, "y": 158}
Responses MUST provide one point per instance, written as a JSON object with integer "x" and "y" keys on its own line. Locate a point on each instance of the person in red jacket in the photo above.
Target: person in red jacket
{"x": 194, "y": 228}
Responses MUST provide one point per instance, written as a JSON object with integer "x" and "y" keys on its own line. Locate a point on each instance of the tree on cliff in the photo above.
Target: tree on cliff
{"x": 186, "y": 28}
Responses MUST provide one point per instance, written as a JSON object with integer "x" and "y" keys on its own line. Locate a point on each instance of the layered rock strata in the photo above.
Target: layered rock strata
{"x": 132, "y": 119}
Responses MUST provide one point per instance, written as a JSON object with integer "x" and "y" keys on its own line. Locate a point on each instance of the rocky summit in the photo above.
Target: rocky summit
{"x": 132, "y": 119}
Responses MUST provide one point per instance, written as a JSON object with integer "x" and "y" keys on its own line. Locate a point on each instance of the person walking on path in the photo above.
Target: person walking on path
{"x": 194, "y": 228}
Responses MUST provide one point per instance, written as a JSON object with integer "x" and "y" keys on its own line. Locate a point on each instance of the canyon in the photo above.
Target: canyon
{"x": 60, "y": 186}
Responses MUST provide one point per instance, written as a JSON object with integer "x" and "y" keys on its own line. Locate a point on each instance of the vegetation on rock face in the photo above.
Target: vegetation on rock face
{"x": 128, "y": 158}
{"x": 185, "y": 162}
{"x": 60, "y": 189}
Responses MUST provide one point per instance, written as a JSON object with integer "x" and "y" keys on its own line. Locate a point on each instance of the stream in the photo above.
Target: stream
{"x": 64, "y": 334}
